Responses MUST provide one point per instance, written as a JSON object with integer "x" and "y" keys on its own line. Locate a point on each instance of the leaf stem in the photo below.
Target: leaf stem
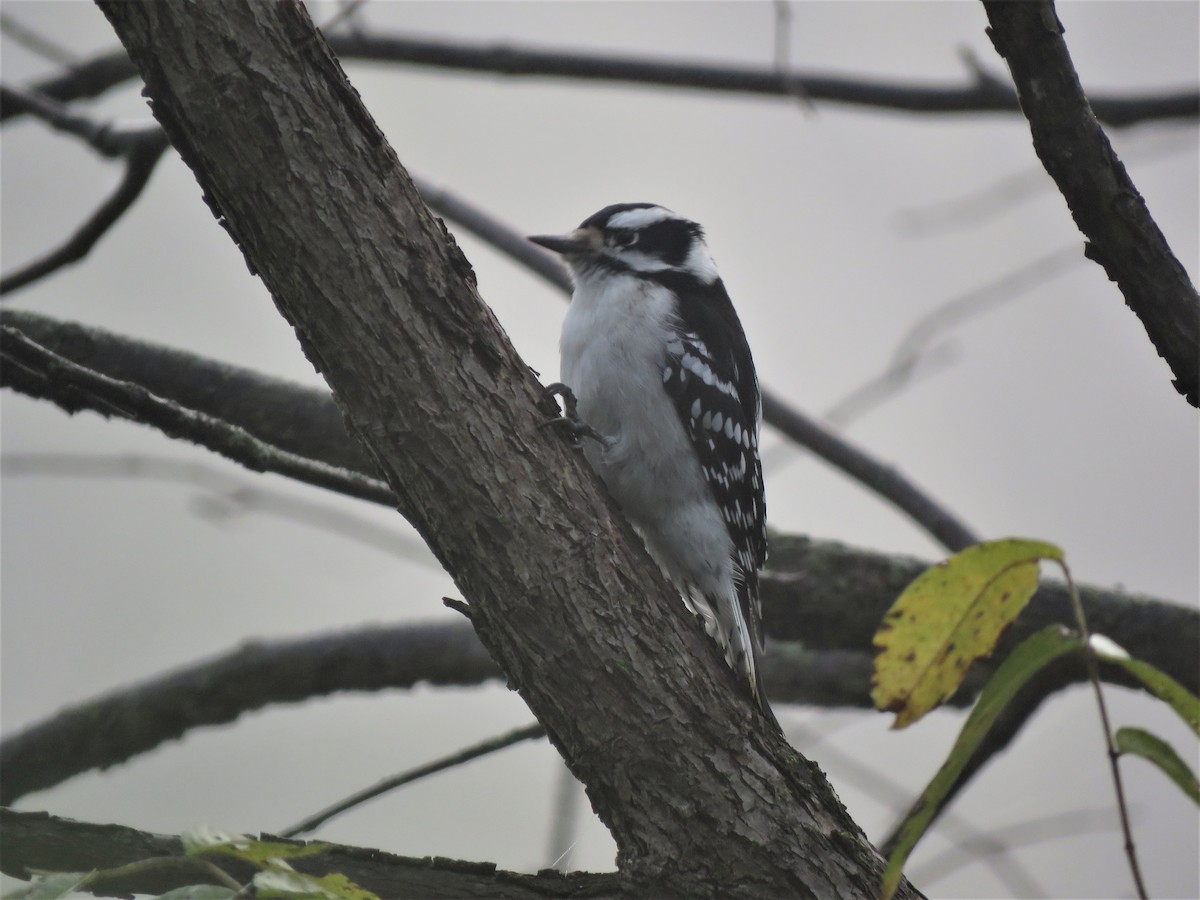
{"x": 1093, "y": 667}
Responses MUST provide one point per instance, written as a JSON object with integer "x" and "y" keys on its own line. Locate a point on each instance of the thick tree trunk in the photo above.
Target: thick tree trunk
{"x": 701, "y": 797}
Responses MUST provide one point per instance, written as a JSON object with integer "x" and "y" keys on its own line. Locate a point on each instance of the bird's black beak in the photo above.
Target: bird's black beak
{"x": 579, "y": 241}
{"x": 559, "y": 243}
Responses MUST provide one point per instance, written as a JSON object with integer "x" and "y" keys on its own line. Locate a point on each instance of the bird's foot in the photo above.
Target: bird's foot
{"x": 568, "y": 420}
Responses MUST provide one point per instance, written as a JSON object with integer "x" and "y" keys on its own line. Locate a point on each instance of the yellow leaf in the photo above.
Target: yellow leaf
{"x": 952, "y": 614}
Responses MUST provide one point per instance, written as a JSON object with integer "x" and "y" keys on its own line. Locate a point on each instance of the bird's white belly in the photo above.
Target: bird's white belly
{"x": 613, "y": 353}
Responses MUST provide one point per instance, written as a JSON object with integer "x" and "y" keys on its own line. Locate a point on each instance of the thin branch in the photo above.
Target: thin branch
{"x": 500, "y": 235}
{"x": 96, "y": 76}
{"x": 347, "y": 14}
{"x": 38, "y": 841}
{"x": 475, "y": 751}
{"x": 225, "y": 496}
{"x": 72, "y": 387}
{"x": 884, "y": 480}
{"x": 35, "y": 42}
{"x": 961, "y": 833}
{"x": 979, "y": 95}
{"x": 82, "y": 80}
{"x": 138, "y": 167}
{"x": 110, "y": 139}
{"x": 970, "y": 850}
{"x": 807, "y": 595}
{"x": 783, "y": 55}
{"x": 1007, "y": 191}
{"x": 141, "y": 148}
{"x": 294, "y": 417}
{"x": 112, "y": 728}
{"x": 914, "y": 353}
{"x": 1105, "y": 204}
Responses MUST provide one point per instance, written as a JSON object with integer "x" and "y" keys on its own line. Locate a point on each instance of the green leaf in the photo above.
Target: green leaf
{"x": 199, "y": 892}
{"x": 49, "y": 887}
{"x": 1025, "y": 661}
{"x": 281, "y": 883}
{"x": 952, "y": 614}
{"x": 1149, "y": 746}
{"x": 204, "y": 840}
{"x": 343, "y": 888}
{"x": 1161, "y": 685}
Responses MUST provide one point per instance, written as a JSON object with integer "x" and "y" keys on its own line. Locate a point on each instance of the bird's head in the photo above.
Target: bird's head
{"x": 636, "y": 238}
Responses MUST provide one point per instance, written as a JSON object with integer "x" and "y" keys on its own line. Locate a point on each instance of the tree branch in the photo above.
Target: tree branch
{"x": 112, "y": 728}
{"x": 298, "y": 419}
{"x": 47, "y": 843}
{"x": 1122, "y": 237}
{"x": 44, "y": 373}
{"x": 141, "y": 149}
{"x": 982, "y": 95}
{"x": 806, "y": 595}
{"x": 483, "y": 748}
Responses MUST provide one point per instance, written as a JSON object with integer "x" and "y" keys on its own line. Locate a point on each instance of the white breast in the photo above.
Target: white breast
{"x": 613, "y": 352}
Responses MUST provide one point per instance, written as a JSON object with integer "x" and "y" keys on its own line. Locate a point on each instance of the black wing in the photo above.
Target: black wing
{"x": 709, "y": 374}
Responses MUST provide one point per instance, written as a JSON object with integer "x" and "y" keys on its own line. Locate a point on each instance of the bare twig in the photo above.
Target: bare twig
{"x": 346, "y": 13}
{"x": 914, "y": 352}
{"x": 988, "y": 95}
{"x": 1005, "y": 192}
{"x": 300, "y": 419}
{"x": 783, "y": 54}
{"x": 110, "y": 139}
{"x": 138, "y": 167}
{"x": 492, "y": 230}
{"x": 961, "y": 833}
{"x": 516, "y": 736}
{"x": 35, "y": 42}
{"x": 112, "y": 728}
{"x": 95, "y": 76}
{"x": 882, "y": 479}
{"x": 971, "y": 850}
{"x": 225, "y": 496}
{"x": 68, "y": 383}
{"x": 141, "y": 147}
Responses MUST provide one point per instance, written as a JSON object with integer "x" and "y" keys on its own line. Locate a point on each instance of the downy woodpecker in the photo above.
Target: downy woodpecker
{"x": 662, "y": 377}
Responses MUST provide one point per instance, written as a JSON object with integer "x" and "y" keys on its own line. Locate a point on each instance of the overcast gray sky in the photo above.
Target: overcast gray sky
{"x": 835, "y": 229}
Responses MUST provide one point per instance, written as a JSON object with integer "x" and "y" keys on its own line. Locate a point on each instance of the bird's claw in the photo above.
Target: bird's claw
{"x": 569, "y": 422}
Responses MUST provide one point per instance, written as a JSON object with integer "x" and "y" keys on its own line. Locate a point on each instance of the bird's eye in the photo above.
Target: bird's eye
{"x": 624, "y": 239}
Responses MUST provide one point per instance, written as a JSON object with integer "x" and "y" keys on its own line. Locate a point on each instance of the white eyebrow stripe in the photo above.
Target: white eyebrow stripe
{"x": 640, "y": 218}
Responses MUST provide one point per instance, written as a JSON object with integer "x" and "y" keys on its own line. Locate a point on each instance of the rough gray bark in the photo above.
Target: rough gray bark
{"x": 700, "y": 797}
